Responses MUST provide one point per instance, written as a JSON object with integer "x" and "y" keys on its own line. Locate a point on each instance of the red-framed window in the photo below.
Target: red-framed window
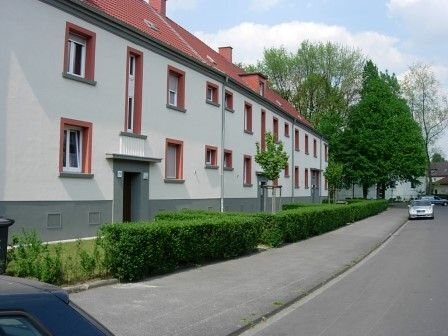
{"x": 275, "y": 128}
{"x": 228, "y": 159}
{"x": 134, "y": 83}
{"x": 263, "y": 130}
{"x": 306, "y": 178}
{"x": 306, "y": 144}
{"x": 248, "y": 118}
{"x": 326, "y": 152}
{"x": 296, "y": 177}
{"x": 247, "y": 171}
{"x": 176, "y": 88}
{"x": 212, "y": 93}
{"x": 211, "y": 156}
{"x": 286, "y": 129}
{"x": 79, "y": 52}
{"x": 75, "y": 149}
{"x": 174, "y": 159}
{"x": 315, "y": 148}
{"x": 287, "y": 170}
{"x": 228, "y": 100}
{"x": 296, "y": 140}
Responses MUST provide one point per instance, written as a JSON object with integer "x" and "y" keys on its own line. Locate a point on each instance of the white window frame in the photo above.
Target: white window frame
{"x": 131, "y": 93}
{"x": 79, "y": 145}
{"x": 210, "y": 92}
{"x": 72, "y": 43}
{"x": 173, "y": 89}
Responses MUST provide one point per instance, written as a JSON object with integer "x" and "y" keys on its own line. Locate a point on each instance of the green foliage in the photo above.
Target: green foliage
{"x": 272, "y": 159}
{"x": 382, "y": 143}
{"x": 437, "y": 158}
{"x": 134, "y": 251}
{"x": 304, "y": 222}
{"x": 33, "y": 259}
{"x": 54, "y": 263}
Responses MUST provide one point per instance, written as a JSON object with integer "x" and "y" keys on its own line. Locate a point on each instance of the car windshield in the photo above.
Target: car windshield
{"x": 420, "y": 203}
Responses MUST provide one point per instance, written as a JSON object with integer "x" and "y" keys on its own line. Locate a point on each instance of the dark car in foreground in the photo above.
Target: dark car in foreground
{"x": 31, "y": 308}
{"x": 421, "y": 209}
{"x": 435, "y": 200}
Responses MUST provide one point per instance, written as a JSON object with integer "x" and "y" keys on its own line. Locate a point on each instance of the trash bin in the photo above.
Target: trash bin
{"x": 5, "y": 223}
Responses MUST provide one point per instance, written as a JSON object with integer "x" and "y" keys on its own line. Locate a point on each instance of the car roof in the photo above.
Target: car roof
{"x": 19, "y": 286}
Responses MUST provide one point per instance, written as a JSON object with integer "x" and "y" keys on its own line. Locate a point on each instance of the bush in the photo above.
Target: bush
{"x": 303, "y": 222}
{"x": 133, "y": 251}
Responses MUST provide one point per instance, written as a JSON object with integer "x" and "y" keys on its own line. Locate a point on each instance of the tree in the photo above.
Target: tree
{"x": 429, "y": 107}
{"x": 334, "y": 176}
{"x": 273, "y": 159}
{"x": 382, "y": 142}
{"x": 437, "y": 158}
{"x": 318, "y": 79}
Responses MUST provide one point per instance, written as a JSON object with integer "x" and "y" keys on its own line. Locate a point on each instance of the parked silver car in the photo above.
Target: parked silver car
{"x": 421, "y": 209}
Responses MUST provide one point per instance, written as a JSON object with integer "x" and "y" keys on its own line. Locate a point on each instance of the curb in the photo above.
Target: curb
{"x": 89, "y": 285}
{"x": 264, "y": 317}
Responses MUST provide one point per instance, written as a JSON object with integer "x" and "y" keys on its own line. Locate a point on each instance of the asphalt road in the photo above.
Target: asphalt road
{"x": 401, "y": 289}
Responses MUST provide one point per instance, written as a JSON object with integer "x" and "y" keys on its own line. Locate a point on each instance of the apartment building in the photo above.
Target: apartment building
{"x": 111, "y": 112}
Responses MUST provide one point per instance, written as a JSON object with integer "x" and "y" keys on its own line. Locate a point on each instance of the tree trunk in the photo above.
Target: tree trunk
{"x": 365, "y": 190}
{"x": 273, "y": 199}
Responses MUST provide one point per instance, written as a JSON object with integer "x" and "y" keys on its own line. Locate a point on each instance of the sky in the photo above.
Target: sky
{"x": 393, "y": 33}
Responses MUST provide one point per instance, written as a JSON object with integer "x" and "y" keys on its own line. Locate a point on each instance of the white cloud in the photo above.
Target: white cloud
{"x": 427, "y": 19}
{"x": 263, "y": 5}
{"x": 249, "y": 39}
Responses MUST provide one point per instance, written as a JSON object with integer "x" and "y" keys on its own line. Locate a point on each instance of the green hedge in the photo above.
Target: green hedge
{"x": 136, "y": 250}
{"x": 296, "y": 224}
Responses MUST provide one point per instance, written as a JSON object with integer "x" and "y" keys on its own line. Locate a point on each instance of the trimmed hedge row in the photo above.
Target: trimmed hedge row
{"x": 136, "y": 250}
{"x": 293, "y": 225}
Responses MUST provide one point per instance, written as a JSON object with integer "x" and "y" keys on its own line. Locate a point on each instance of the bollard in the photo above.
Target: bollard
{"x": 5, "y": 223}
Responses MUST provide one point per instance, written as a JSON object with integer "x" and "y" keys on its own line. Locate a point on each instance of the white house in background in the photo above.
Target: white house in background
{"x": 403, "y": 191}
{"x": 111, "y": 112}
{"x": 439, "y": 176}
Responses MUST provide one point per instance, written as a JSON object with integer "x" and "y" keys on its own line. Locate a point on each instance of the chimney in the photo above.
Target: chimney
{"x": 226, "y": 52}
{"x": 159, "y": 6}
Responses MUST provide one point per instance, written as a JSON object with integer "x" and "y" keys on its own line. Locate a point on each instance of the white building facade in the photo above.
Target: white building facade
{"x": 109, "y": 117}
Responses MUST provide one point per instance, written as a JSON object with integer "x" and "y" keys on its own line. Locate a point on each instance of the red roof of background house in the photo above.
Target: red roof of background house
{"x": 140, "y": 15}
{"x": 439, "y": 169}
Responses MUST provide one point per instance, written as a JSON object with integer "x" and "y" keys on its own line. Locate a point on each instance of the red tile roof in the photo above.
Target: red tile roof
{"x": 140, "y": 15}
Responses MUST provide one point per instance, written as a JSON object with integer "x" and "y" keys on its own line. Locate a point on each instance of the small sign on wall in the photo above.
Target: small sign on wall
{"x": 119, "y": 174}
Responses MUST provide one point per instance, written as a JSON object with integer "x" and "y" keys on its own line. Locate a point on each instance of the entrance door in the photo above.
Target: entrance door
{"x": 130, "y": 196}
{"x": 315, "y": 189}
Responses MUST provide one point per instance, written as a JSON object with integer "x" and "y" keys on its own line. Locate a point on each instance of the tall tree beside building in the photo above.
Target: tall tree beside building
{"x": 321, "y": 79}
{"x": 428, "y": 105}
{"x": 382, "y": 143}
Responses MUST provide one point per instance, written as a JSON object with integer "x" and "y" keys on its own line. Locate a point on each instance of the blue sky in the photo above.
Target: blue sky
{"x": 393, "y": 33}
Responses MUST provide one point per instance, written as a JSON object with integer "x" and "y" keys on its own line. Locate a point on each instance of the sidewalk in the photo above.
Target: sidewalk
{"x": 220, "y": 299}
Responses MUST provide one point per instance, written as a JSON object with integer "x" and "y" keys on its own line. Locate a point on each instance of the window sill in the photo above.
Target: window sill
{"x": 76, "y": 175}
{"x": 211, "y": 166}
{"x": 287, "y": 176}
{"x": 228, "y": 168}
{"x": 297, "y": 150}
{"x": 248, "y": 132}
{"x": 296, "y": 187}
{"x": 229, "y": 109}
{"x": 286, "y": 135}
{"x": 133, "y": 135}
{"x": 176, "y": 108}
{"x": 78, "y": 79}
{"x": 307, "y": 153}
{"x": 246, "y": 185}
{"x": 174, "y": 181}
{"x": 212, "y": 103}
